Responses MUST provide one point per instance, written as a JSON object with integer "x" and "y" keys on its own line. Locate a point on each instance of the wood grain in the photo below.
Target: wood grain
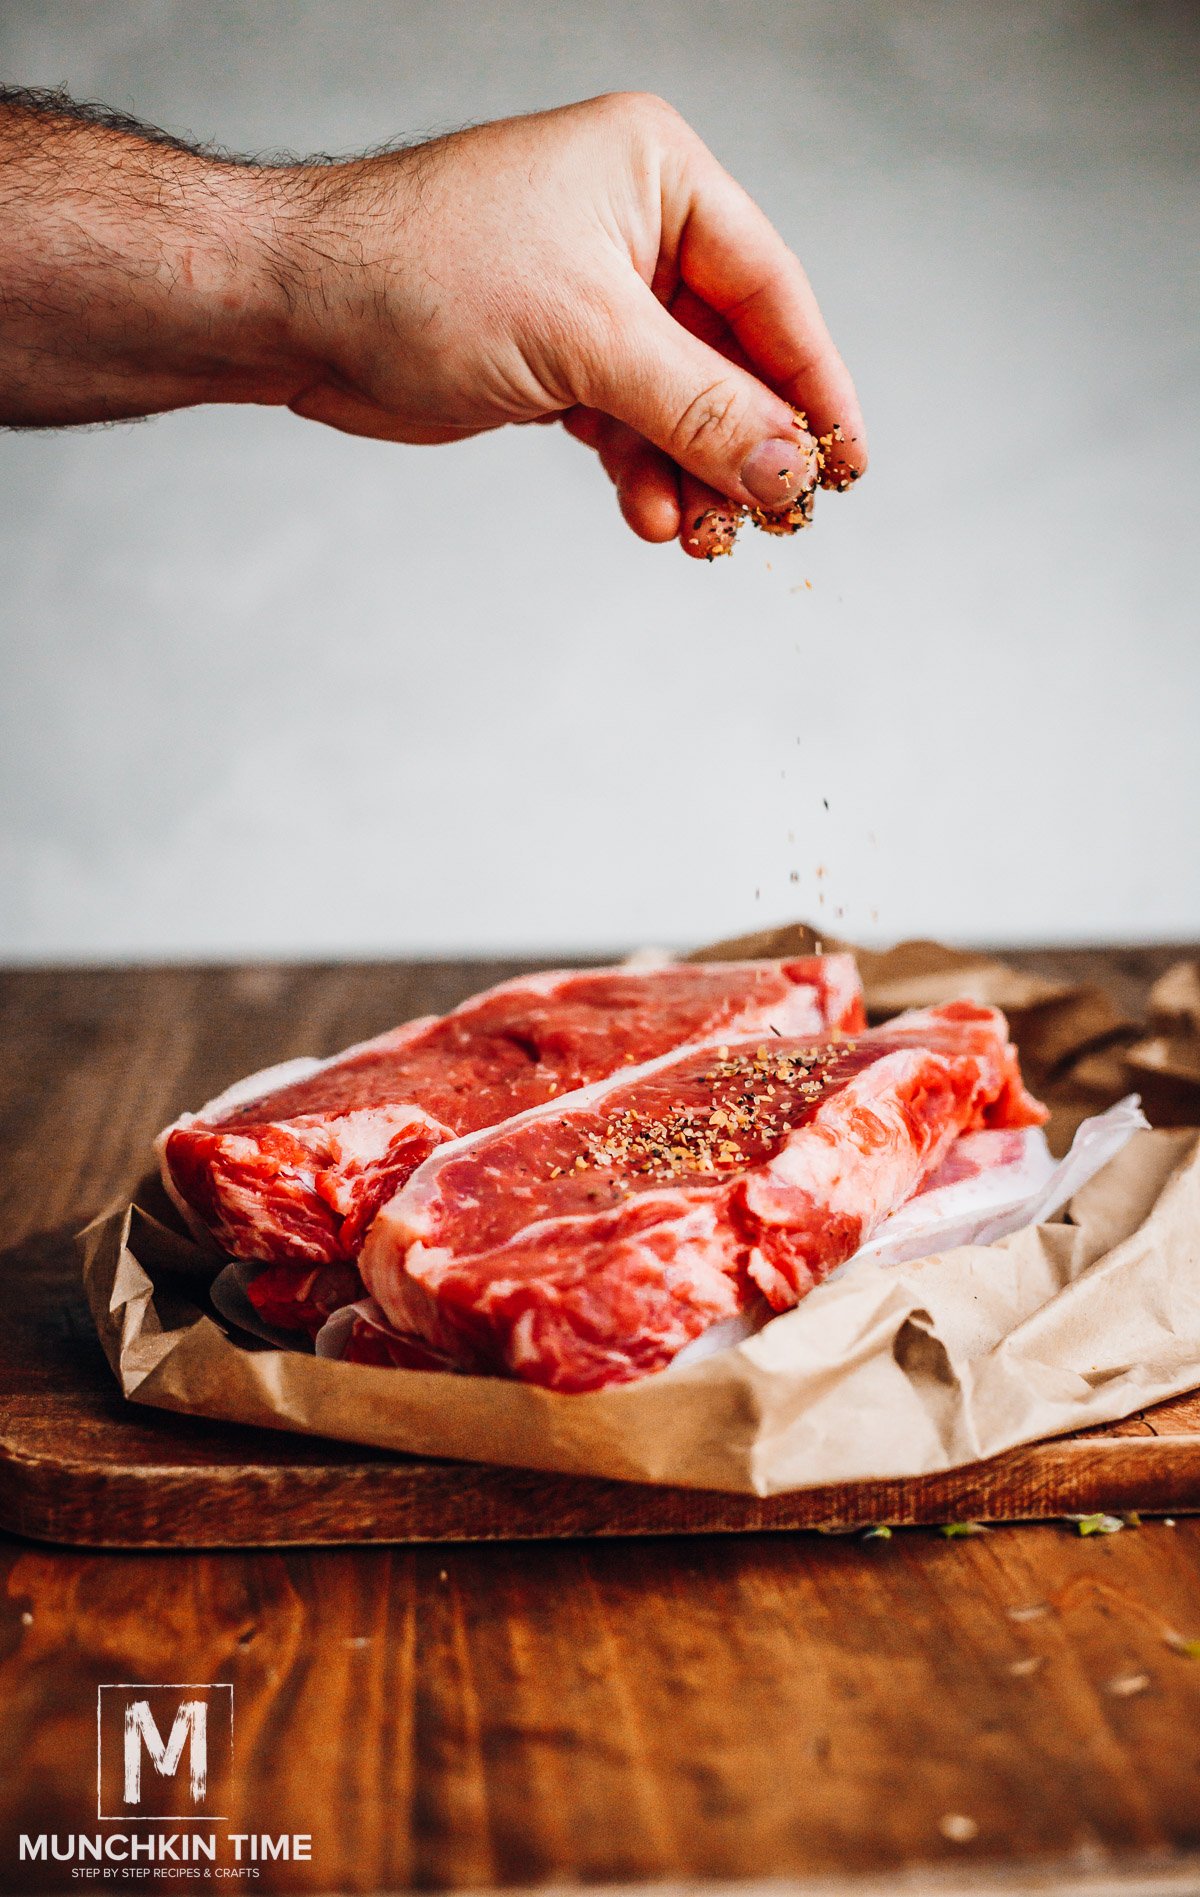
{"x": 716, "y": 1707}
{"x": 720, "y": 1707}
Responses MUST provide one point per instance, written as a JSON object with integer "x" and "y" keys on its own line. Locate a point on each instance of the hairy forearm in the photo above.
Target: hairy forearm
{"x": 135, "y": 276}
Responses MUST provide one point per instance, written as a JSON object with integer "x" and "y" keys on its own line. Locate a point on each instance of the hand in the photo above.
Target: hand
{"x": 595, "y": 265}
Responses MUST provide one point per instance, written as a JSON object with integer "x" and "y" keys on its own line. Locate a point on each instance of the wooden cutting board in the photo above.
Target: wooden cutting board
{"x": 79, "y": 1465}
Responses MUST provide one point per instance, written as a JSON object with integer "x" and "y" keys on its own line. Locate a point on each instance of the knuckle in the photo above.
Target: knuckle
{"x": 645, "y": 111}
{"x": 651, "y": 105}
{"x": 708, "y": 425}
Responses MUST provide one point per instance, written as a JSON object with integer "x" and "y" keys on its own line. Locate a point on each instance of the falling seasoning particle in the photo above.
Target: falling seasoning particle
{"x": 1021, "y": 1669}
{"x": 956, "y": 1826}
{"x": 1125, "y": 1685}
{"x": 953, "y": 1530}
{"x": 27, "y": 1619}
{"x": 1168, "y": 1521}
{"x": 825, "y": 801}
{"x": 1034, "y": 1611}
{"x": 1180, "y": 1643}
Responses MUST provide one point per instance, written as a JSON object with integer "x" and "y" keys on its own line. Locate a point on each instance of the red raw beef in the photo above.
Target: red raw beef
{"x": 294, "y": 1175}
{"x": 587, "y": 1242}
{"x": 292, "y": 1298}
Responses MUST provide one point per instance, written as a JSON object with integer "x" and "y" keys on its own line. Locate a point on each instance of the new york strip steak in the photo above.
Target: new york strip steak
{"x": 587, "y": 1242}
{"x": 293, "y": 1175}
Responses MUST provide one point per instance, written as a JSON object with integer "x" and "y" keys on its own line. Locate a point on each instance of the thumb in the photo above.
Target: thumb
{"x": 712, "y": 417}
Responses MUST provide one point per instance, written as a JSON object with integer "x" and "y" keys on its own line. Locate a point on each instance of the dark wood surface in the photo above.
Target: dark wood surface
{"x": 716, "y": 1707}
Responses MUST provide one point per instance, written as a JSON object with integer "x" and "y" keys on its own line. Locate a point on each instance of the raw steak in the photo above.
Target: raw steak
{"x": 587, "y": 1242}
{"x": 294, "y": 1175}
{"x": 301, "y": 1298}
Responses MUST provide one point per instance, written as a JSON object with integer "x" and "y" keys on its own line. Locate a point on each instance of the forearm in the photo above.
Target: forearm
{"x": 134, "y": 277}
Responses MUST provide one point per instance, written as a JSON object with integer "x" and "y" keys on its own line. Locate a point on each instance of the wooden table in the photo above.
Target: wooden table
{"x": 716, "y": 1708}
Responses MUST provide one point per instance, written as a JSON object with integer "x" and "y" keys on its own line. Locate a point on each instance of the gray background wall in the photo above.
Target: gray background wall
{"x": 270, "y": 689}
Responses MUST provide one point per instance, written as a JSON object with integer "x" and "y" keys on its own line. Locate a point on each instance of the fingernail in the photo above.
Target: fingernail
{"x": 779, "y": 470}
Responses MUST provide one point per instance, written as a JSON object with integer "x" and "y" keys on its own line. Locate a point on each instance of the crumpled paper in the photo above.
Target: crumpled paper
{"x": 886, "y": 1370}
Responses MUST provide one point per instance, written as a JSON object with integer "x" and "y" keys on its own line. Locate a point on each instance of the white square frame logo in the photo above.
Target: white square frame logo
{"x": 205, "y": 1692}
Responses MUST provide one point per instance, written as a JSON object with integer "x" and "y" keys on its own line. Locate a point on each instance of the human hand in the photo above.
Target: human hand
{"x": 593, "y": 265}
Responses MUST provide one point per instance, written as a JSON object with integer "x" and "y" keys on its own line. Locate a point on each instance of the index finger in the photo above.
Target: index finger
{"x": 730, "y": 254}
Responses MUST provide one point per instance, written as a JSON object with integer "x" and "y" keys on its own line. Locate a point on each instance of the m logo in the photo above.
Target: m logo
{"x": 141, "y": 1734}
{"x": 161, "y": 1746}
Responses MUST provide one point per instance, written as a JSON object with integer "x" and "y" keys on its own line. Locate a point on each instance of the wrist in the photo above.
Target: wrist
{"x": 238, "y": 289}
{"x": 330, "y": 252}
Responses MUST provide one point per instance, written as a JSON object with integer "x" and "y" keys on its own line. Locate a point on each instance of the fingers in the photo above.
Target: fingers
{"x": 710, "y": 363}
{"x": 585, "y": 424}
{"x": 707, "y": 414}
{"x": 646, "y": 482}
{"x": 648, "y": 492}
{"x": 656, "y": 499}
{"x": 709, "y": 526}
{"x": 710, "y": 522}
{"x": 732, "y": 257}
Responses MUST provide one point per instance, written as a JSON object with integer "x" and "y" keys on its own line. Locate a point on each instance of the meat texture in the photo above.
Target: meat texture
{"x": 587, "y": 1242}
{"x": 294, "y": 1175}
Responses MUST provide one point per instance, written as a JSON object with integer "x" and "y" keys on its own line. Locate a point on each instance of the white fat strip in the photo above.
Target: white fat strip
{"x": 1003, "y": 1199}
{"x": 259, "y": 1086}
{"x": 1000, "y": 1185}
{"x": 975, "y": 1211}
{"x": 825, "y": 1159}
